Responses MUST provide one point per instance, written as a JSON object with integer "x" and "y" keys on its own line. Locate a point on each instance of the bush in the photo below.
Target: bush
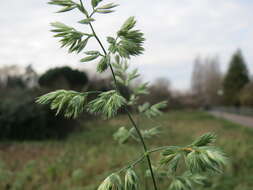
{"x": 22, "y": 119}
{"x": 63, "y": 77}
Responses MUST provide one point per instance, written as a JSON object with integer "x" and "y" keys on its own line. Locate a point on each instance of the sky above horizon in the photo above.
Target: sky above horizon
{"x": 176, "y": 31}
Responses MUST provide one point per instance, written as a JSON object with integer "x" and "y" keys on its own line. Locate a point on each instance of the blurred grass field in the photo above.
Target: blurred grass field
{"x": 83, "y": 160}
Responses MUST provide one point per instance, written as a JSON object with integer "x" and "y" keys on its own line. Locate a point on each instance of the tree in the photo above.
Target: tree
{"x": 197, "y": 81}
{"x": 213, "y": 81}
{"x": 236, "y": 78}
{"x": 246, "y": 95}
{"x": 206, "y": 81}
{"x": 63, "y": 77}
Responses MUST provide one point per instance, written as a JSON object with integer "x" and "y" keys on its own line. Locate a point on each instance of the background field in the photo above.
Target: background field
{"x": 87, "y": 156}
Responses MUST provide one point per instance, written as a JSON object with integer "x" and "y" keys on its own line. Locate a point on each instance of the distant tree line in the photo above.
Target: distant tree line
{"x": 210, "y": 87}
{"x": 22, "y": 119}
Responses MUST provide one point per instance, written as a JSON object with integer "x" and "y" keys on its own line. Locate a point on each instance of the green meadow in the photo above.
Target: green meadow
{"x": 81, "y": 161}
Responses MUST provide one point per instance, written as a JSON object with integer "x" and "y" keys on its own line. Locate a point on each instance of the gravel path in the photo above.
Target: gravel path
{"x": 243, "y": 120}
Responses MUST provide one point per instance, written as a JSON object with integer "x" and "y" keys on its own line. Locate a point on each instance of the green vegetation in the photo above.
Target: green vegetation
{"x": 21, "y": 119}
{"x": 63, "y": 77}
{"x": 246, "y": 95}
{"x": 183, "y": 157}
{"x": 201, "y": 157}
{"x": 236, "y": 78}
{"x": 183, "y": 167}
{"x": 88, "y": 156}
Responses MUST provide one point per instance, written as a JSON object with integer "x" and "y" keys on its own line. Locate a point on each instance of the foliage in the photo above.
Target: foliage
{"x": 15, "y": 82}
{"x": 246, "y": 95}
{"x": 72, "y": 102}
{"x": 107, "y": 104}
{"x": 74, "y": 79}
{"x": 60, "y": 164}
{"x": 111, "y": 182}
{"x": 199, "y": 156}
{"x": 235, "y": 79}
{"x": 24, "y": 120}
{"x": 152, "y": 110}
{"x": 130, "y": 41}
{"x": 131, "y": 180}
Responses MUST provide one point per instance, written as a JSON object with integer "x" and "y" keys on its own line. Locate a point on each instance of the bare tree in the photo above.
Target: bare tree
{"x": 206, "y": 81}
{"x": 198, "y": 80}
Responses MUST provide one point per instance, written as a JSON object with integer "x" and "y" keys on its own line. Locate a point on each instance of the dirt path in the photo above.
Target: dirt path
{"x": 243, "y": 120}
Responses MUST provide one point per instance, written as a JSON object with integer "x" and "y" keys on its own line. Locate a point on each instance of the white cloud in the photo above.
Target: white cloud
{"x": 176, "y": 32}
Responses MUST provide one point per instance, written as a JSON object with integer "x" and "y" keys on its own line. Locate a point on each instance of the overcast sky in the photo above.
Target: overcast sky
{"x": 176, "y": 32}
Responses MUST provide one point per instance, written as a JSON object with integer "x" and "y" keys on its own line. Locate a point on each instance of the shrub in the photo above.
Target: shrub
{"x": 24, "y": 120}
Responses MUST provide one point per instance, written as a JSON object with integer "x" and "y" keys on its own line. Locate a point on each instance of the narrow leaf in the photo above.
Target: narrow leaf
{"x": 95, "y": 3}
{"x": 104, "y": 11}
{"x": 86, "y": 21}
{"x": 108, "y": 6}
{"x": 89, "y": 58}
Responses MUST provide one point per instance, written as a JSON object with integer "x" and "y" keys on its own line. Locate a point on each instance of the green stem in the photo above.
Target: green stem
{"x": 137, "y": 161}
{"x": 144, "y": 147}
{"x": 158, "y": 149}
{"x": 127, "y": 111}
{"x": 132, "y": 164}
